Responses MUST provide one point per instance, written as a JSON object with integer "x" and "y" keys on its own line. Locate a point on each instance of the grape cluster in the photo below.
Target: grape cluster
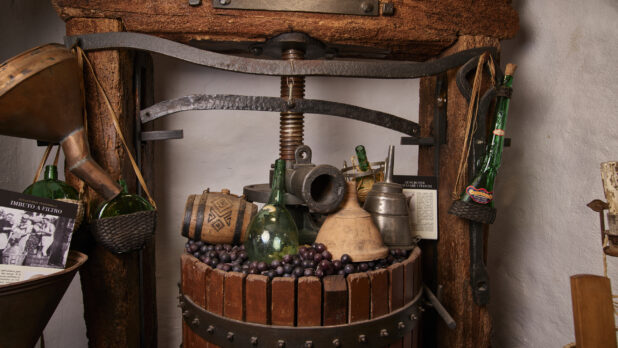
{"x": 312, "y": 260}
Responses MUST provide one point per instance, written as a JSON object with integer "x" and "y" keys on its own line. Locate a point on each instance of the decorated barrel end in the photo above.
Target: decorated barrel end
{"x": 217, "y": 217}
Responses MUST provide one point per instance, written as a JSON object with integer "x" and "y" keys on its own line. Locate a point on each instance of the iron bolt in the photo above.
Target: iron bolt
{"x": 366, "y": 6}
{"x": 388, "y": 9}
{"x": 413, "y": 317}
{"x": 210, "y": 329}
{"x": 383, "y": 333}
{"x": 336, "y": 342}
{"x": 195, "y": 2}
{"x": 225, "y": 2}
{"x": 185, "y": 314}
{"x": 195, "y": 322}
{"x": 362, "y": 338}
{"x": 254, "y": 341}
{"x": 230, "y": 336}
{"x": 421, "y": 308}
{"x": 256, "y": 51}
{"x": 401, "y": 325}
{"x": 308, "y": 344}
{"x": 281, "y": 343}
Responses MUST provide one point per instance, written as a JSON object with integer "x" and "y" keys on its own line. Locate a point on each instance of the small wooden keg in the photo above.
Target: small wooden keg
{"x": 217, "y": 217}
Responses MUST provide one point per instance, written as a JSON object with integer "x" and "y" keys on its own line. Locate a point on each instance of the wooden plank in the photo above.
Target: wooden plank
{"x": 448, "y": 265}
{"x": 593, "y": 313}
{"x": 214, "y": 294}
{"x": 359, "y": 297}
{"x": 309, "y": 302}
{"x": 185, "y": 261}
{"x": 409, "y": 265}
{"x": 283, "y": 301}
{"x": 396, "y": 292}
{"x": 335, "y": 305}
{"x": 256, "y": 299}
{"x": 194, "y": 286}
{"x": 379, "y": 292}
{"x": 233, "y": 294}
{"x": 416, "y": 29}
{"x": 109, "y": 282}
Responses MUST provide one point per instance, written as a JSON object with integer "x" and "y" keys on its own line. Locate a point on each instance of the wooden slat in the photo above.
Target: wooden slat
{"x": 214, "y": 294}
{"x": 335, "y": 305}
{"x": 309, "y": 302}
{"x": 396, "y": 292}
{"x": 283, "y": 301}
{"x": 409, "y": 274}
{"x": 379, "y": 292}
{"x": 359, "y": 297}
{"x": 198, "y": 295}
{"x": 185, "y": 264}
{"x": 256, "y": 299}
{"x": 233, "y": 294}
{"x": 593, "y": 313}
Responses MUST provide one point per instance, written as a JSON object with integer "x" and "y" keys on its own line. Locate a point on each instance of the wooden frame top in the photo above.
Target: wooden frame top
{"x": 418, "y": 29}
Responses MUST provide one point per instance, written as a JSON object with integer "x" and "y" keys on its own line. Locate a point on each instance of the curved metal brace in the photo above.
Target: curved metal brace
{"x": 311, "y": 106}
{"x": 226, "y": 332}
{"x": 344, "y": 68}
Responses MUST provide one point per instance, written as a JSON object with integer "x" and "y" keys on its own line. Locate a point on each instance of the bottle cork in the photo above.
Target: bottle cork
{"x": 510, "y": 69}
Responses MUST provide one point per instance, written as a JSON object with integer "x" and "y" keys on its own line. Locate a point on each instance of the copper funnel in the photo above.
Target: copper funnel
{"x": 27, "y": 306}
{"x": 41, "y": 98}
{"x": 351, "y": 230}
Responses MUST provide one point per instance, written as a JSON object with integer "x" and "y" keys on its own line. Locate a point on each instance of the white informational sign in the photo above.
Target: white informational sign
{"x": 422, "y": 198}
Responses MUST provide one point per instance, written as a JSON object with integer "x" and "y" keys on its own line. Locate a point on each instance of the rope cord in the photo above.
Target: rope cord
{"x": 471, "y": 120}
{"x": 116, "y": 123}
{"x": 42, "y": 164}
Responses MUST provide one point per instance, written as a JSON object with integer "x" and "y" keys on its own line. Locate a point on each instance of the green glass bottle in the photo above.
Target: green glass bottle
{"x": 480, "y": 190}
{"x": 361, "y": 154}
{"x": 272, "y": 233}
{"x": 124, "y": 203}
{"x": 51, "y": 187}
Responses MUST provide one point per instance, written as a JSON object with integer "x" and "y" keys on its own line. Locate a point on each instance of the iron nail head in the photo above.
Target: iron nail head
{"x": 308, "y": 344}
{"x": 336, "y": 342}
{"x": 185, "y": 314}
{"x": 195, "y": 322}
{"x": 195, "y": 2}
{"x": 401, "y": 325}
{"x": 366, "y": 6}
{"x": 362, "y": 338}
{"x": 210, "y": 329}
{"x": 384, "y": 333}
{"x": 225, "y": 2}
{"x": 254, "y": 341}
{"x": 413, "y": 317}
{"x": 230, "y": 336}
{"x": 281, "y": 343}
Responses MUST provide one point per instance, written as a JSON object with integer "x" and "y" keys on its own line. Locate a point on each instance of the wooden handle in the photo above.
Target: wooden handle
{"x": 510, "y": 69}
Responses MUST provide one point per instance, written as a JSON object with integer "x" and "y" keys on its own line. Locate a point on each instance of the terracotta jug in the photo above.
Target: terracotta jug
{"x": 351, "y": 230}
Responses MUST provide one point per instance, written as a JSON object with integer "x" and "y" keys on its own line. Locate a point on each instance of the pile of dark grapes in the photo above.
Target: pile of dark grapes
{"x": 312, "y": 260}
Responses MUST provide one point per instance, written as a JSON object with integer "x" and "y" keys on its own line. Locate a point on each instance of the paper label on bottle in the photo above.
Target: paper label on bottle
{"x": 499, "y": 132}
{"x": 479, "y": 195}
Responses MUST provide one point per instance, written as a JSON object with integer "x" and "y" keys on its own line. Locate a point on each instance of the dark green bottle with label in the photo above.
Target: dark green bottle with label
{"x": 272, "y": 233}
{"x": 51, "y": 187}
{"x": 480, "y": 190}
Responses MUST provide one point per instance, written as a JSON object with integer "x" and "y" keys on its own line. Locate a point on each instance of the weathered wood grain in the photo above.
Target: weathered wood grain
{"x": 452, "y": 249}
{"x": 593, "y": 313}
{"x": 396, "y": 292}
{"x": 309, "y": 301}
{"x": 359, "y": 297}
{"x": 379, "y": 292}
{"x": 335, "y": 304}
{"x": 214, "y": 294}
{"x": 233, "y": 295}
{"x": 417, "y": 30}
{"x": 283, "y": 301}
{"x": 257, "y": 299}
{"x": 194, "y": 282}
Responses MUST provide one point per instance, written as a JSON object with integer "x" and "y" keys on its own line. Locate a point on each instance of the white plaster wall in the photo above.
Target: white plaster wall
{"x": 562, "y": 122}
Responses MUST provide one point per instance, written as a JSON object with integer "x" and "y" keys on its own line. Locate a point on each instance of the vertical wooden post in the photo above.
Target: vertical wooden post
{"x": 110, "y": 283}
{"x": 451, "y": 252}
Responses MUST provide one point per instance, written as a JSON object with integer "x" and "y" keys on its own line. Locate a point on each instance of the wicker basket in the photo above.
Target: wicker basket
{"x": 125, "y": 233}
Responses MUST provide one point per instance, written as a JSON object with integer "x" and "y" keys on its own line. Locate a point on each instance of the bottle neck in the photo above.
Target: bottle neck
{"x": 493, "y": 158}
{"x": 277, "y": 189}
{"x": 361, "y": 154}
{"x": 51, "y": 172}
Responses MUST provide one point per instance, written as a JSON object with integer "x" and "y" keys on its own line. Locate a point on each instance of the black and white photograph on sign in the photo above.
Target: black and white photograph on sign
{"x": 34, "y": 239}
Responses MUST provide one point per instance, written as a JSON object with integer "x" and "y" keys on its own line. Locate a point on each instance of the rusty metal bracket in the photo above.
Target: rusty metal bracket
{"x": 388, "y": 69}
{"x": 226, "y": 332}
{"x": 347, "y": 7}
{"x": 310, "y": 106}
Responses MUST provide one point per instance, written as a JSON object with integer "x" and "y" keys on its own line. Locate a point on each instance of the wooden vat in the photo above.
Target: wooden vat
{"x": 302, "y": 303}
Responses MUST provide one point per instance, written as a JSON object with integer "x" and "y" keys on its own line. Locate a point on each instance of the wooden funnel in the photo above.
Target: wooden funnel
{"x": 27, "y": 306}
{"x": 41, "y": 98}
{"x": 351, "y": 230}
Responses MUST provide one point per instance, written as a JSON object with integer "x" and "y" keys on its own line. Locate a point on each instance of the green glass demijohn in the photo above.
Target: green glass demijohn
{"x": 51, "y": 187}
{"x": 272, "y": 232}
{"x": 124, "y": 203}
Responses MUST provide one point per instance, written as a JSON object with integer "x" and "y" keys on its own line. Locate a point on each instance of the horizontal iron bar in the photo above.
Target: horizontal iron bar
{"x": 226, "y": 332}
{"x": 349, "y": 7}
{"x": 252, "y": 103}
{"x": 162, "y": 135}
{"x": 344, "y": 68}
